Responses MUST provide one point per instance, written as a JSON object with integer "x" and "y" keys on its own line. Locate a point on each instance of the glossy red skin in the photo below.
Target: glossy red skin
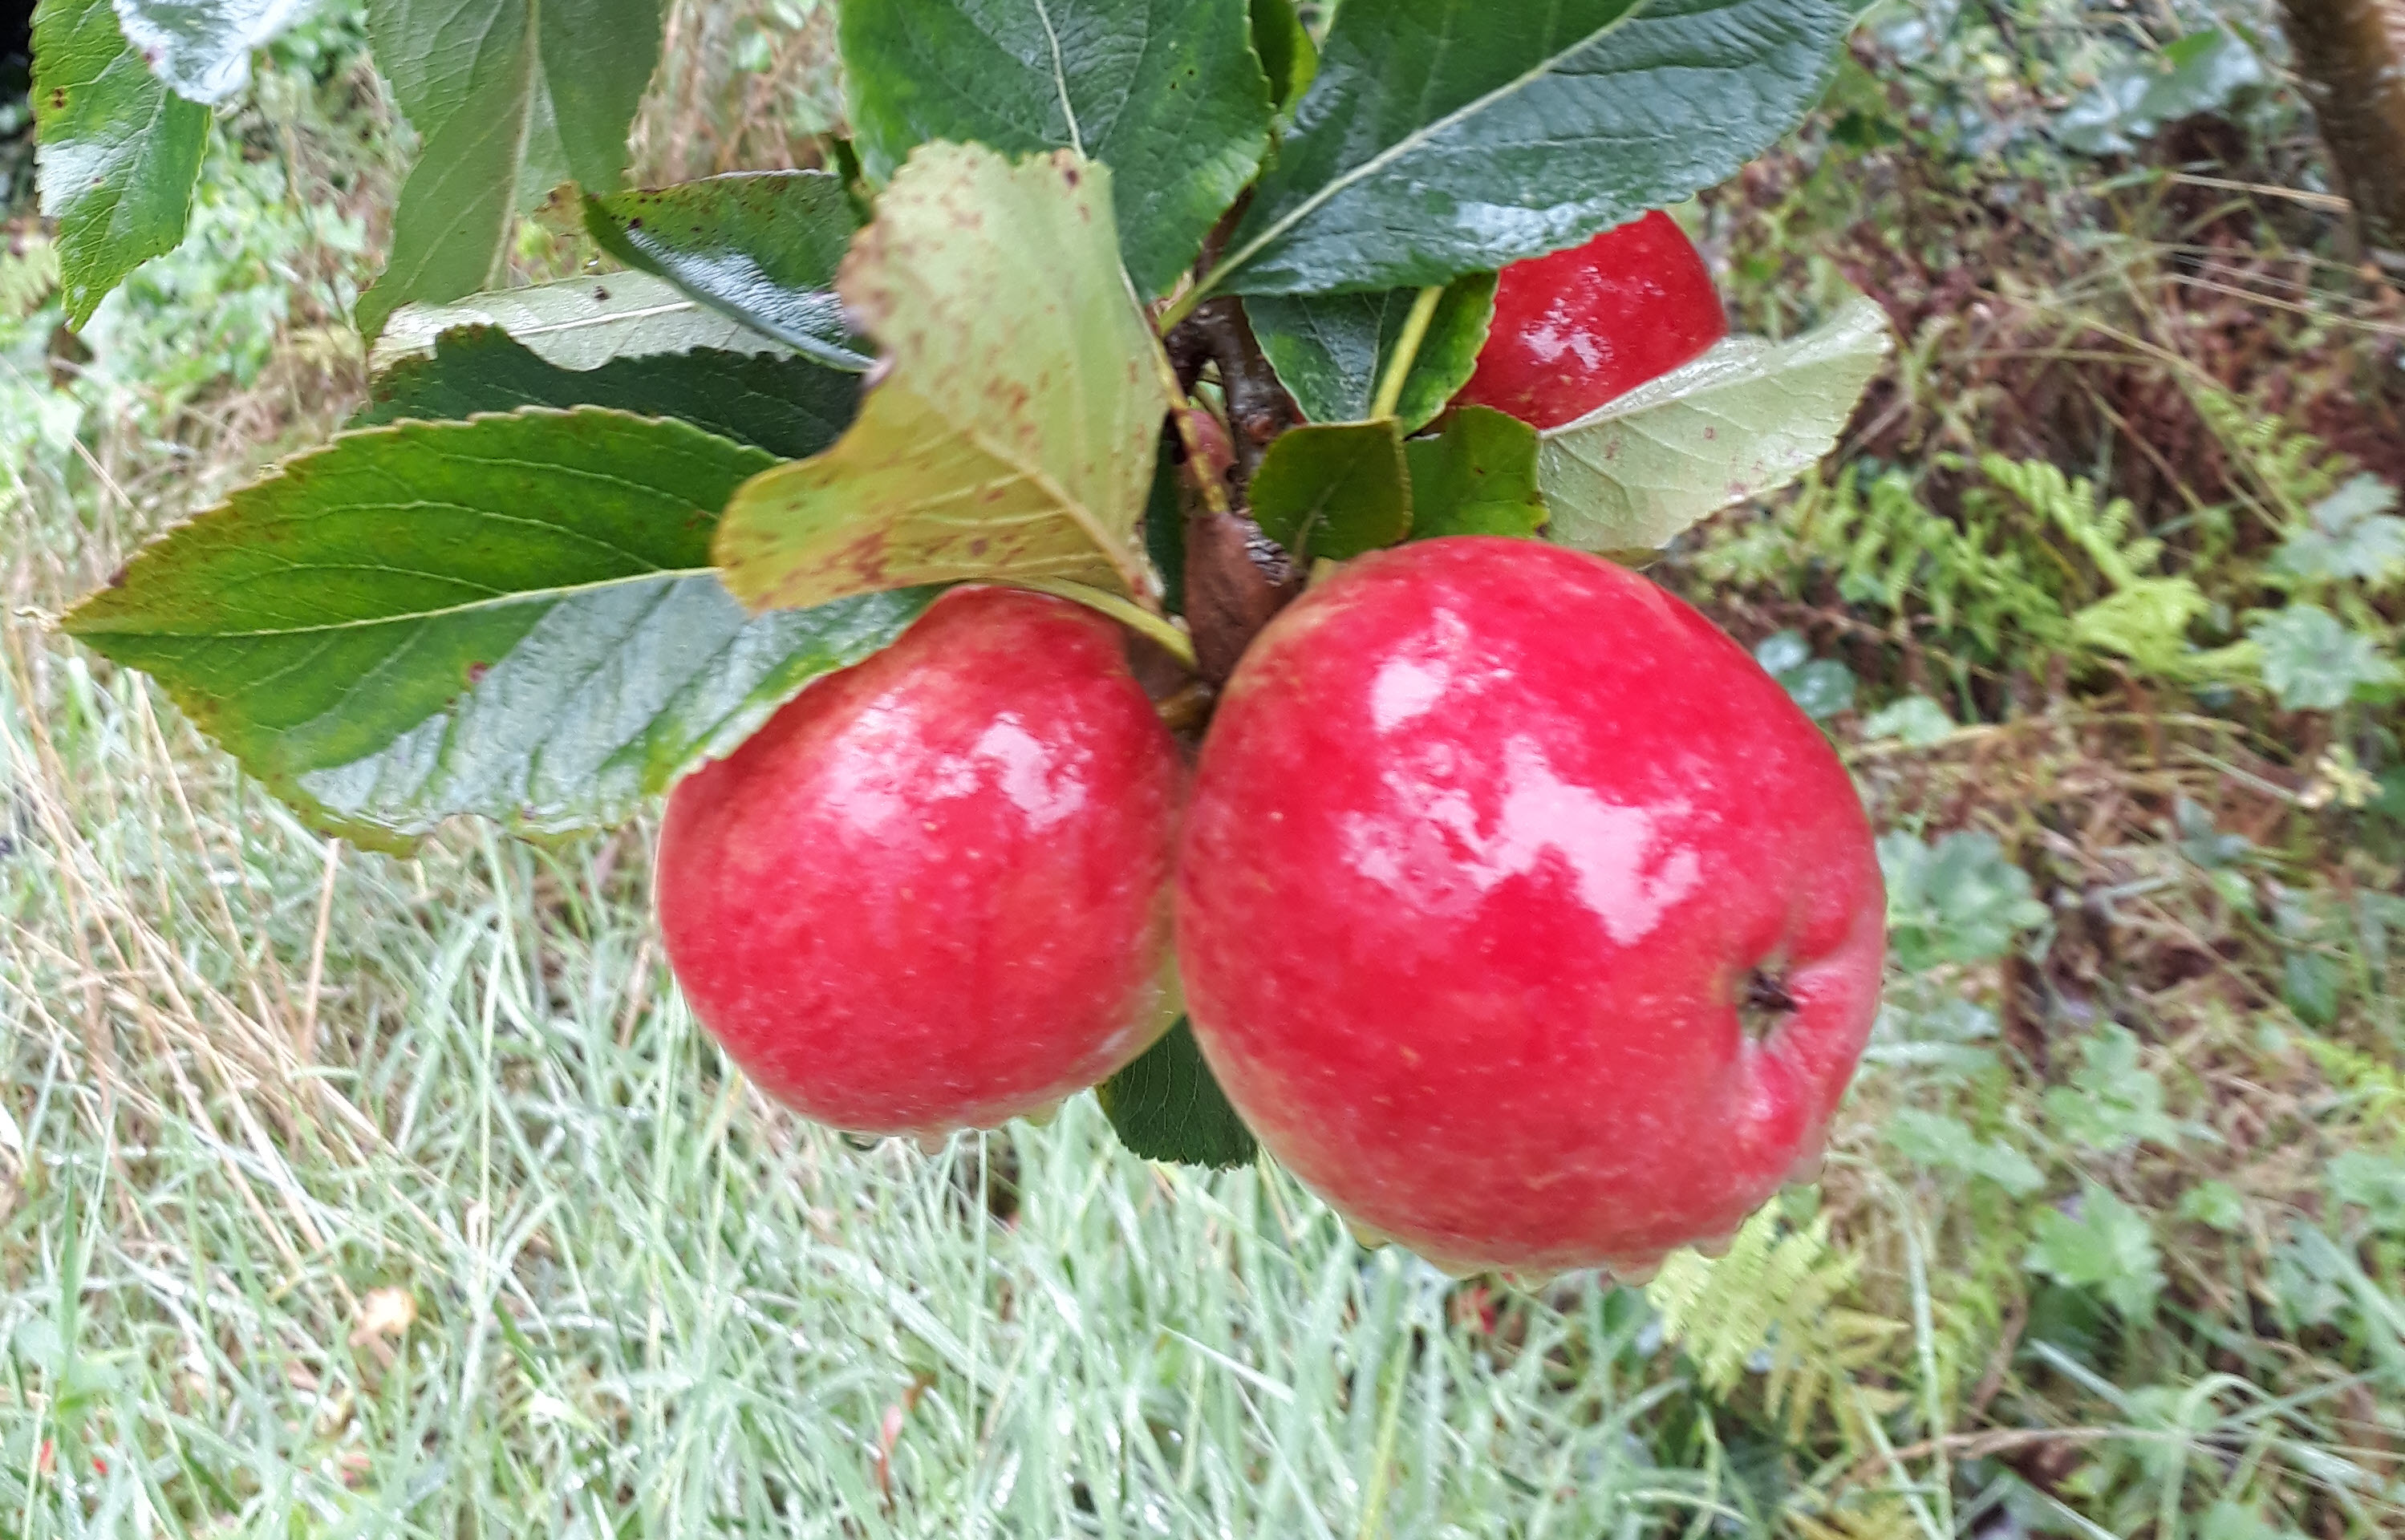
{"x": 1579, "y": 327}
{"x": 1487, "y": 840}
{"x": 932, "y": 893}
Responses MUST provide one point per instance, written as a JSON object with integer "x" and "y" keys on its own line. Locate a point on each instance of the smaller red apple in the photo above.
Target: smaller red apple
{"x": 933, "y": 892}
{"x": 1579, "y": 327}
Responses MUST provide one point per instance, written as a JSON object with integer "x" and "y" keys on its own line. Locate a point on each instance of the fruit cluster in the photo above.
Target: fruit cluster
{"x": 1520, "y": 914}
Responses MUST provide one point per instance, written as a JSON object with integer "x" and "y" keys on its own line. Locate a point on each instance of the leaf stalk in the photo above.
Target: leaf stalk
{"x": 1158, "y": 629}
{"x": 1407, "y": 353}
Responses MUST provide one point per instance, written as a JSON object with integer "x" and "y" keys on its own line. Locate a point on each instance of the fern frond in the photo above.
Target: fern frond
{"x": 2380, "y": 1087}
{"x": 2040, "y": 565}
{"x": 2295, "y": 469}
{"x": 1772, "y": 1281}
{"x": 29, "y": 271}
{"x": 1818, "y": 1371}
{"x": 2070, "y": 505}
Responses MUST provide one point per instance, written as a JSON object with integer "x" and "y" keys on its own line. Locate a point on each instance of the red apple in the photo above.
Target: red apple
{"x": 932, "y": 893}
{"x": 1579, "y": 328}
{"x": 1521, "y": 913}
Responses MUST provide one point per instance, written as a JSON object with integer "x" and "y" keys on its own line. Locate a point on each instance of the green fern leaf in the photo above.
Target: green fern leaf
{"x": 1776, "y": 1285}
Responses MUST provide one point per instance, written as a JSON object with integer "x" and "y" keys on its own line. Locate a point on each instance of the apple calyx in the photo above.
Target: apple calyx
{"x": 1765, "y": 1005}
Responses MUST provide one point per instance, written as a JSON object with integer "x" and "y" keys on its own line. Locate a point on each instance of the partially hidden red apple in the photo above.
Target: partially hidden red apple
{"x": 1521, "y": 913}
{"x": 1577, "y": 329}
{"x": 933, "y": 892}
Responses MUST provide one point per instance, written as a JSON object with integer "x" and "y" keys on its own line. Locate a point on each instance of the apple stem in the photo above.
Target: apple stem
{"x": 1407, "y": 352}
{"x": 1159, "y": 629}
{"x": 1210, "y": 482}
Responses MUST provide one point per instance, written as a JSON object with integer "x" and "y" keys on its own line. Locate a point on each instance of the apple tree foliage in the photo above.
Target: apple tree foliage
{"x": 586, "y": 534}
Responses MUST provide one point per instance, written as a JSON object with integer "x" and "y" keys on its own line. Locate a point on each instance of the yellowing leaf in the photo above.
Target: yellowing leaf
{"x": 1013, "y": 432}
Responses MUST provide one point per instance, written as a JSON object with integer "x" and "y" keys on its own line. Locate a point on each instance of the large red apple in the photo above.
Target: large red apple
{"x": 1521, "y": 913}
{"x": 1579, "y": 327}
{"x": 932, "y": 893}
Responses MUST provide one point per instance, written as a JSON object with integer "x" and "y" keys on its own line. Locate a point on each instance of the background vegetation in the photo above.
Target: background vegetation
{"x": 348, "y": 1196}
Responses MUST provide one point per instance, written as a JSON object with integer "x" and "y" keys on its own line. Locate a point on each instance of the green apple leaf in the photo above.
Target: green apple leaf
{"x": 202, "y": 48}
{"x": 1334, "y": 490}
{"x": 1167, "y": 93}
{"x": 1478, "y": 477}
{"x": 788, "y": 406}
{"x": 1288, "y": 55}
{"x": 1330, "y": 350}
{"x": 1742, "y": 420}
{"x": 1450, "y": 136}
{"x": 510, "y": 99}
{"x": 597, "y": 58}
{"x": 1164, "y": 532}
{"x": 1167, "y": 1106}
{"x": 117, "y": 152}
{"x": 1014, "y": 430}
{"x": 577, "y": 323}
{"x": 760, "y": 246}
{"x": 514, "y": 617}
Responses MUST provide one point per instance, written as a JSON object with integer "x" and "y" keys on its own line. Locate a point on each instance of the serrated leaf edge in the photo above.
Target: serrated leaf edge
{"x": 1387, "y": 157}
{"x": 284, "y": 787}
{"x": 285, "y": 468}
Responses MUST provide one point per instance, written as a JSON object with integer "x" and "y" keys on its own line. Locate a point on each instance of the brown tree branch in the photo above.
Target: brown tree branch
{"x": 1235, "y": 582}
{"x": 1259, "y": 408}
{"x": 2351, "y": 54}
{"x": 1236, "y": 579}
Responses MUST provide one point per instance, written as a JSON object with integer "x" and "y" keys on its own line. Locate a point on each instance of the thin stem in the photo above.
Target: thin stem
{"x": 1181, "y": 404}
{"x": 1182, "y": 307}
{"x": 1407, "y": 352}
{"x": 1159, "y": 629}
{"x": 1214, "y": 490}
